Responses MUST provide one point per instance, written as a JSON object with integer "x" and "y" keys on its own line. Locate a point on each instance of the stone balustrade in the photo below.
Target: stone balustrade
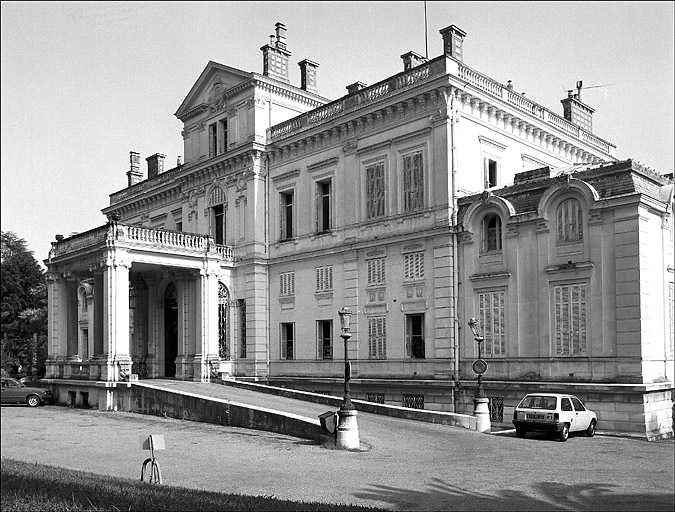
{"x": 145, "y": 237}
{"x": 430, "y": 70}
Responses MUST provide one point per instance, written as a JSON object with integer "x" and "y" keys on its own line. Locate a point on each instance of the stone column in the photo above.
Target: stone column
{"x": 71, "y": 316}
{"x": 56, "y": 293}
{"x": 116, "y": 318}
{"x": 207, "y": 332}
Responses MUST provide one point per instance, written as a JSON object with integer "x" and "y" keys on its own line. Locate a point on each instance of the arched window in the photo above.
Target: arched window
{"x": 569, "y": 221}
{"x": 491, "y": 233}
{"x": 223, "y": 335}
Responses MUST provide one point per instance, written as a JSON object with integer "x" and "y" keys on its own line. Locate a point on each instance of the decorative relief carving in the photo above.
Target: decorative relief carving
{"x": 485, "y": 196}
{"x": 564, "y": 180}
{"x": 415, "y": 246}
{"x": 217, "y": 96}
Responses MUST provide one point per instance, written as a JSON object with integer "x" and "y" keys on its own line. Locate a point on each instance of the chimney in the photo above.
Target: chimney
{"x": 275, "y": 55}
{"x": 453, "y": 39}
{"x": 308, "y": 75}
{"x": 577, "y": 112}
{"x": 411, "y": 60}
{"x": 155, "y": 165}
{"x": 134, "y": 175}
{"x": 355, "y": 87}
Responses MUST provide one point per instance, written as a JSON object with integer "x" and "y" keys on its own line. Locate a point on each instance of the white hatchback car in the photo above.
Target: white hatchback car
{"x": 553, "y": 412}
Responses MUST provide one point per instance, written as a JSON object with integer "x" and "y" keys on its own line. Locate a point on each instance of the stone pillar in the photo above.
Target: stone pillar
{"x": 116, "y": 318}
{"x": 71, "y": 316}
{"x": 151, "y": 306}
{"x": 208, "y": 332}
{"x": 57, "y": 319}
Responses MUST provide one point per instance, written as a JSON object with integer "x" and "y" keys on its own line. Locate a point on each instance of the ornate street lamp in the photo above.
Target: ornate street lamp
{"x": 347, "y": 428}
{"x": 479, "y": 367}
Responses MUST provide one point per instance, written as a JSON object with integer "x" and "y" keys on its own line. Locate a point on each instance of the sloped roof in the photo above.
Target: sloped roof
{"x": 610, "y": 179}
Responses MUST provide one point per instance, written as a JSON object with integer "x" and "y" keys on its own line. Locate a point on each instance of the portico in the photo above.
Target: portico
{"x": 127, "y": 300}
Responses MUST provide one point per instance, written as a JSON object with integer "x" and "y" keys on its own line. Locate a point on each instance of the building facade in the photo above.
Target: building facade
{"x": 289, "y": 206}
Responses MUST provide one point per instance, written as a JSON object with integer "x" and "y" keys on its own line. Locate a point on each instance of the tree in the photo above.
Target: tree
{"x": 23, "y": 309}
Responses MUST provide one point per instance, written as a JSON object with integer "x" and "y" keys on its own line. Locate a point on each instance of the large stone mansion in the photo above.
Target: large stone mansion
{"x": 431, "y": 197}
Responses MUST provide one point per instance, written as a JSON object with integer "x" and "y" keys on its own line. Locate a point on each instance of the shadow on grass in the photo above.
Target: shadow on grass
{"x": 441, "y": 495}
{"x": 33, "y": 487}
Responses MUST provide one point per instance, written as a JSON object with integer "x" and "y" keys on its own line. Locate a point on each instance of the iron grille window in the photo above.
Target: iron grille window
{"x": 324, "y": 278}
{"x": 375, "y": 191}
{"x": 242, "y": 328}
{"x": 287, "y": 284}
{"x": 413, "y": 266}
{"x": 496, "y": 408}
{"x": 377, "y": 398}
{"x": 223, "y": 306}
{"x": 570, "y": 319}
{"x": 324, "y": 334}
{"x": 413, "y": 182}
{"x": 569, "y": 221}
{"x": 287, "y": 340}
{"x": 376, "y": 272}
{"x": 492, "y": 318}
{"x": 377, "y": 338}
{"x": 413, "y": 401}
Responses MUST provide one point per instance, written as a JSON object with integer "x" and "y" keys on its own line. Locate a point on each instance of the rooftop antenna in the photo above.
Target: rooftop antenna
{"x": 426, "y": 38}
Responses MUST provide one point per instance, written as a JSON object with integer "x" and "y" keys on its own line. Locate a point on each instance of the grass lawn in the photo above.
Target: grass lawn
{"x": 32, "y": 487}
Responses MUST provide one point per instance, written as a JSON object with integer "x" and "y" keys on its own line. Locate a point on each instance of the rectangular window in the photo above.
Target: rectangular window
{"x": 413, "y": 182}
{"x": 376, "y": 271}
{"x": 324, "y": 278}
{"x": 219, "y": 224}
{"x": 242, "y": 327}
{"x": 375, "y": 191}
{"x": 287, "y": 340}
{"x": 323, "y": 206}
{"x": 287, "y": 284}
{"x": 671, "y": 307}
{"x": 377, "y": 338}
{"x": 413, "y": 266}
{"x": 286, "y": 202}
{"x": 570, "y": 319}
{"x": 414, "y": 336}
{"x": 223, "y": 136}
{"x": 179, "y": 226}
{"x": 324, "y": 335}
{"x": 491, "y": 173}
{"x": 213, "y": 140}
{"x": 492, "y": 320}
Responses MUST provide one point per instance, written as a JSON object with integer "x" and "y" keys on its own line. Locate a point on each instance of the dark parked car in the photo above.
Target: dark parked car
{"x": 13, "y": 392}
{"x": 31, "y": 380}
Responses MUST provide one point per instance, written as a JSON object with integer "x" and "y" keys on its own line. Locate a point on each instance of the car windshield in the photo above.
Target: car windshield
{"x": 538, "y": 402}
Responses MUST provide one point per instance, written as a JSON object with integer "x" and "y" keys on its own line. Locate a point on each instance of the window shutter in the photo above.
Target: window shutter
{"x": 283, "y": 341}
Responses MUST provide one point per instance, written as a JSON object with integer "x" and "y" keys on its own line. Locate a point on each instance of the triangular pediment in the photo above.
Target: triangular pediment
{"x": 209, "y": 89}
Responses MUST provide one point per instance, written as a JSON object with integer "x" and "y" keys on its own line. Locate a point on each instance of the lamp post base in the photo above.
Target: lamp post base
{"x": 347, "y": 430}
{"x": 482, "y": 414}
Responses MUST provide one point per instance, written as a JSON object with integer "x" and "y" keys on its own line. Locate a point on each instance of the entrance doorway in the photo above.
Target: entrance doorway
{"x": 170, "y": 330}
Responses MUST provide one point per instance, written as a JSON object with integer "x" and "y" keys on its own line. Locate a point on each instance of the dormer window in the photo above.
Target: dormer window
{"x": 491, "y": 233}
{"x": 569, "y": 221}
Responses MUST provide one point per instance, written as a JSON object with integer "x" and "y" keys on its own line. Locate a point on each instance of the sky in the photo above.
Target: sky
{"x": 85, "y": 83}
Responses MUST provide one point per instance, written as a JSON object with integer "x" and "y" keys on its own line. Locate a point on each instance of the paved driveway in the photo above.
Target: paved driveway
{"x": 409, "y": 465}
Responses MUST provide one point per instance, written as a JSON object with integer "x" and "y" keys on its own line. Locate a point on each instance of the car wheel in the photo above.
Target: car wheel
{"x": 590, "y": 431}
{"x": 33, "y": 400}
{"x": 564, "y": 432}
{"x": 520, "y": 432}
